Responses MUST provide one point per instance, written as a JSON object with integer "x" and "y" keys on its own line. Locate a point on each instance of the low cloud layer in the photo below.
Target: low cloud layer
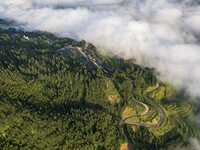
{"x": 194, "y": 144}
{"x": 163, "y": 34}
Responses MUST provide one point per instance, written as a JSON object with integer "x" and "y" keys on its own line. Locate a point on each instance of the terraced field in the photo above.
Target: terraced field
{"x": 175, "y": 111}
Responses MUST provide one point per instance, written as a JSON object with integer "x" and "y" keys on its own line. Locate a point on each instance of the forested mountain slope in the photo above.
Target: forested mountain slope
{"x": 56, "y": 93}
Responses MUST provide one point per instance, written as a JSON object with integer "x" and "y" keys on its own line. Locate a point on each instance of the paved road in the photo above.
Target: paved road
{"x": 137, "y": 115}
{"x": 149, "y": 101}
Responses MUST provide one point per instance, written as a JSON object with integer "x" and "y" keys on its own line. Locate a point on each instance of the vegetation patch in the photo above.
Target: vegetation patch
{"x": 111, "y": 92}
{"x": 113, "y": 99}
{"x": 124, "y": 146}
{"x": 52, "y": 99}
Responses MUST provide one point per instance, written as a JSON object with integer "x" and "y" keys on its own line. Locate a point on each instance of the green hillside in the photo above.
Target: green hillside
{"x": 56, "y": 93}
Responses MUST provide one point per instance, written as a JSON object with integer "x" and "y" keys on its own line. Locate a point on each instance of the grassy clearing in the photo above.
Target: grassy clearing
{"x": 150, "y": 116}
{"x": 160, "y": 94}
{"x": 166, "y": 127}
{"x": 151, "y": 88}
{"x": 130, "y": 111}
{"x": 166, "y": 91}
{"x": 111, "y": 92}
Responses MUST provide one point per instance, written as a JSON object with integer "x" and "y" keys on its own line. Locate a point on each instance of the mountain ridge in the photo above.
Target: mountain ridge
{"x": 57, "y": 93}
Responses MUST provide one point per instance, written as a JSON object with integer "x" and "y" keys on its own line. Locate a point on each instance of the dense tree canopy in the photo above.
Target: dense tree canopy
{"x": 49, "y": 100}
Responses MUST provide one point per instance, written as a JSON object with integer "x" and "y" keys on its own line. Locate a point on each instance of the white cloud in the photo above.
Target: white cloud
{"x": 163, "y": 34}
{"x": 194, "y": 145}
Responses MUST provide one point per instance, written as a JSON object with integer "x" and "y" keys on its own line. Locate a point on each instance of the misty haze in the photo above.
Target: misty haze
{"x": 100, "y": 74}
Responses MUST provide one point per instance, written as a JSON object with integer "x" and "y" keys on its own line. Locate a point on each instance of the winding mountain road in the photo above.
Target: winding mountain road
{"x": 145, "y": 112}
{"x": 136, "y": 115}
{"x": 124, "y": 121}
